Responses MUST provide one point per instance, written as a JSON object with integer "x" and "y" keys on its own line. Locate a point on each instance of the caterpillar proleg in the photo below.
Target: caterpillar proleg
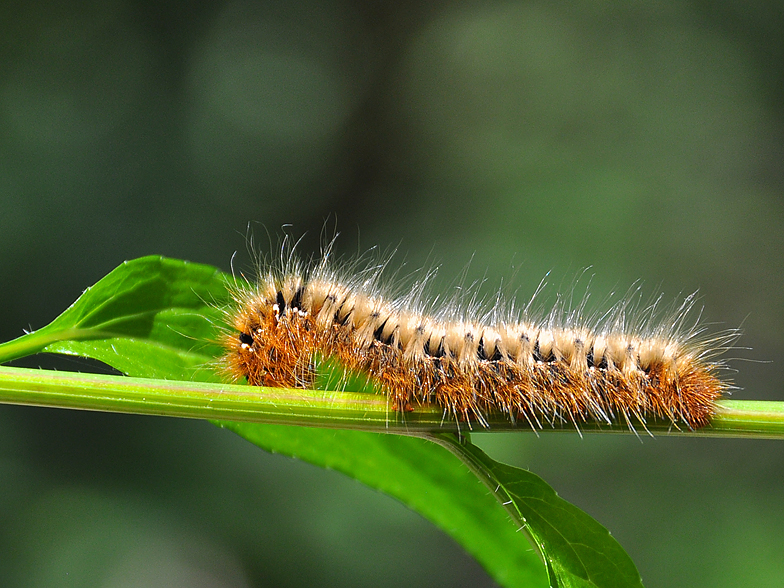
{"x": 556, "y": 369}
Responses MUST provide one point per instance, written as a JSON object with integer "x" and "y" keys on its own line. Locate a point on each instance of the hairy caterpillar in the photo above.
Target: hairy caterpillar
{"x": 558, "y": 369}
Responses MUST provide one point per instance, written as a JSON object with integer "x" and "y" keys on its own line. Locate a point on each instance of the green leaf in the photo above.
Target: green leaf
{"x": 157, "y": 317}
{"x": 152, "y": 317}
{"x": 424, "y": 477}
{"x": 578, "y": 550}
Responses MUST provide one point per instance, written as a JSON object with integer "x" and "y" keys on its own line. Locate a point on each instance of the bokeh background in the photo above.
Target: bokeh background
{"x": 643, "y": 140}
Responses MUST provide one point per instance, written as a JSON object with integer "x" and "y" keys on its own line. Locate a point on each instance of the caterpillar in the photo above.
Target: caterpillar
{"x": 559, "y": 369}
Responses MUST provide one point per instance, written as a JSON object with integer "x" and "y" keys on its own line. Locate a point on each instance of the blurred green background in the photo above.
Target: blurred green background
{"x": 642, "y": 140}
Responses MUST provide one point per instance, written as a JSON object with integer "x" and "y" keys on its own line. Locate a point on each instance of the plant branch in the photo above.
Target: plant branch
{"x": 345, "y": 410}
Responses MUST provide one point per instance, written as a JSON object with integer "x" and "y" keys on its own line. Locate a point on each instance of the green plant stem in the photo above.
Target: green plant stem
{"x": 34, "y": 342}
{"x": 346, "y": 410}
